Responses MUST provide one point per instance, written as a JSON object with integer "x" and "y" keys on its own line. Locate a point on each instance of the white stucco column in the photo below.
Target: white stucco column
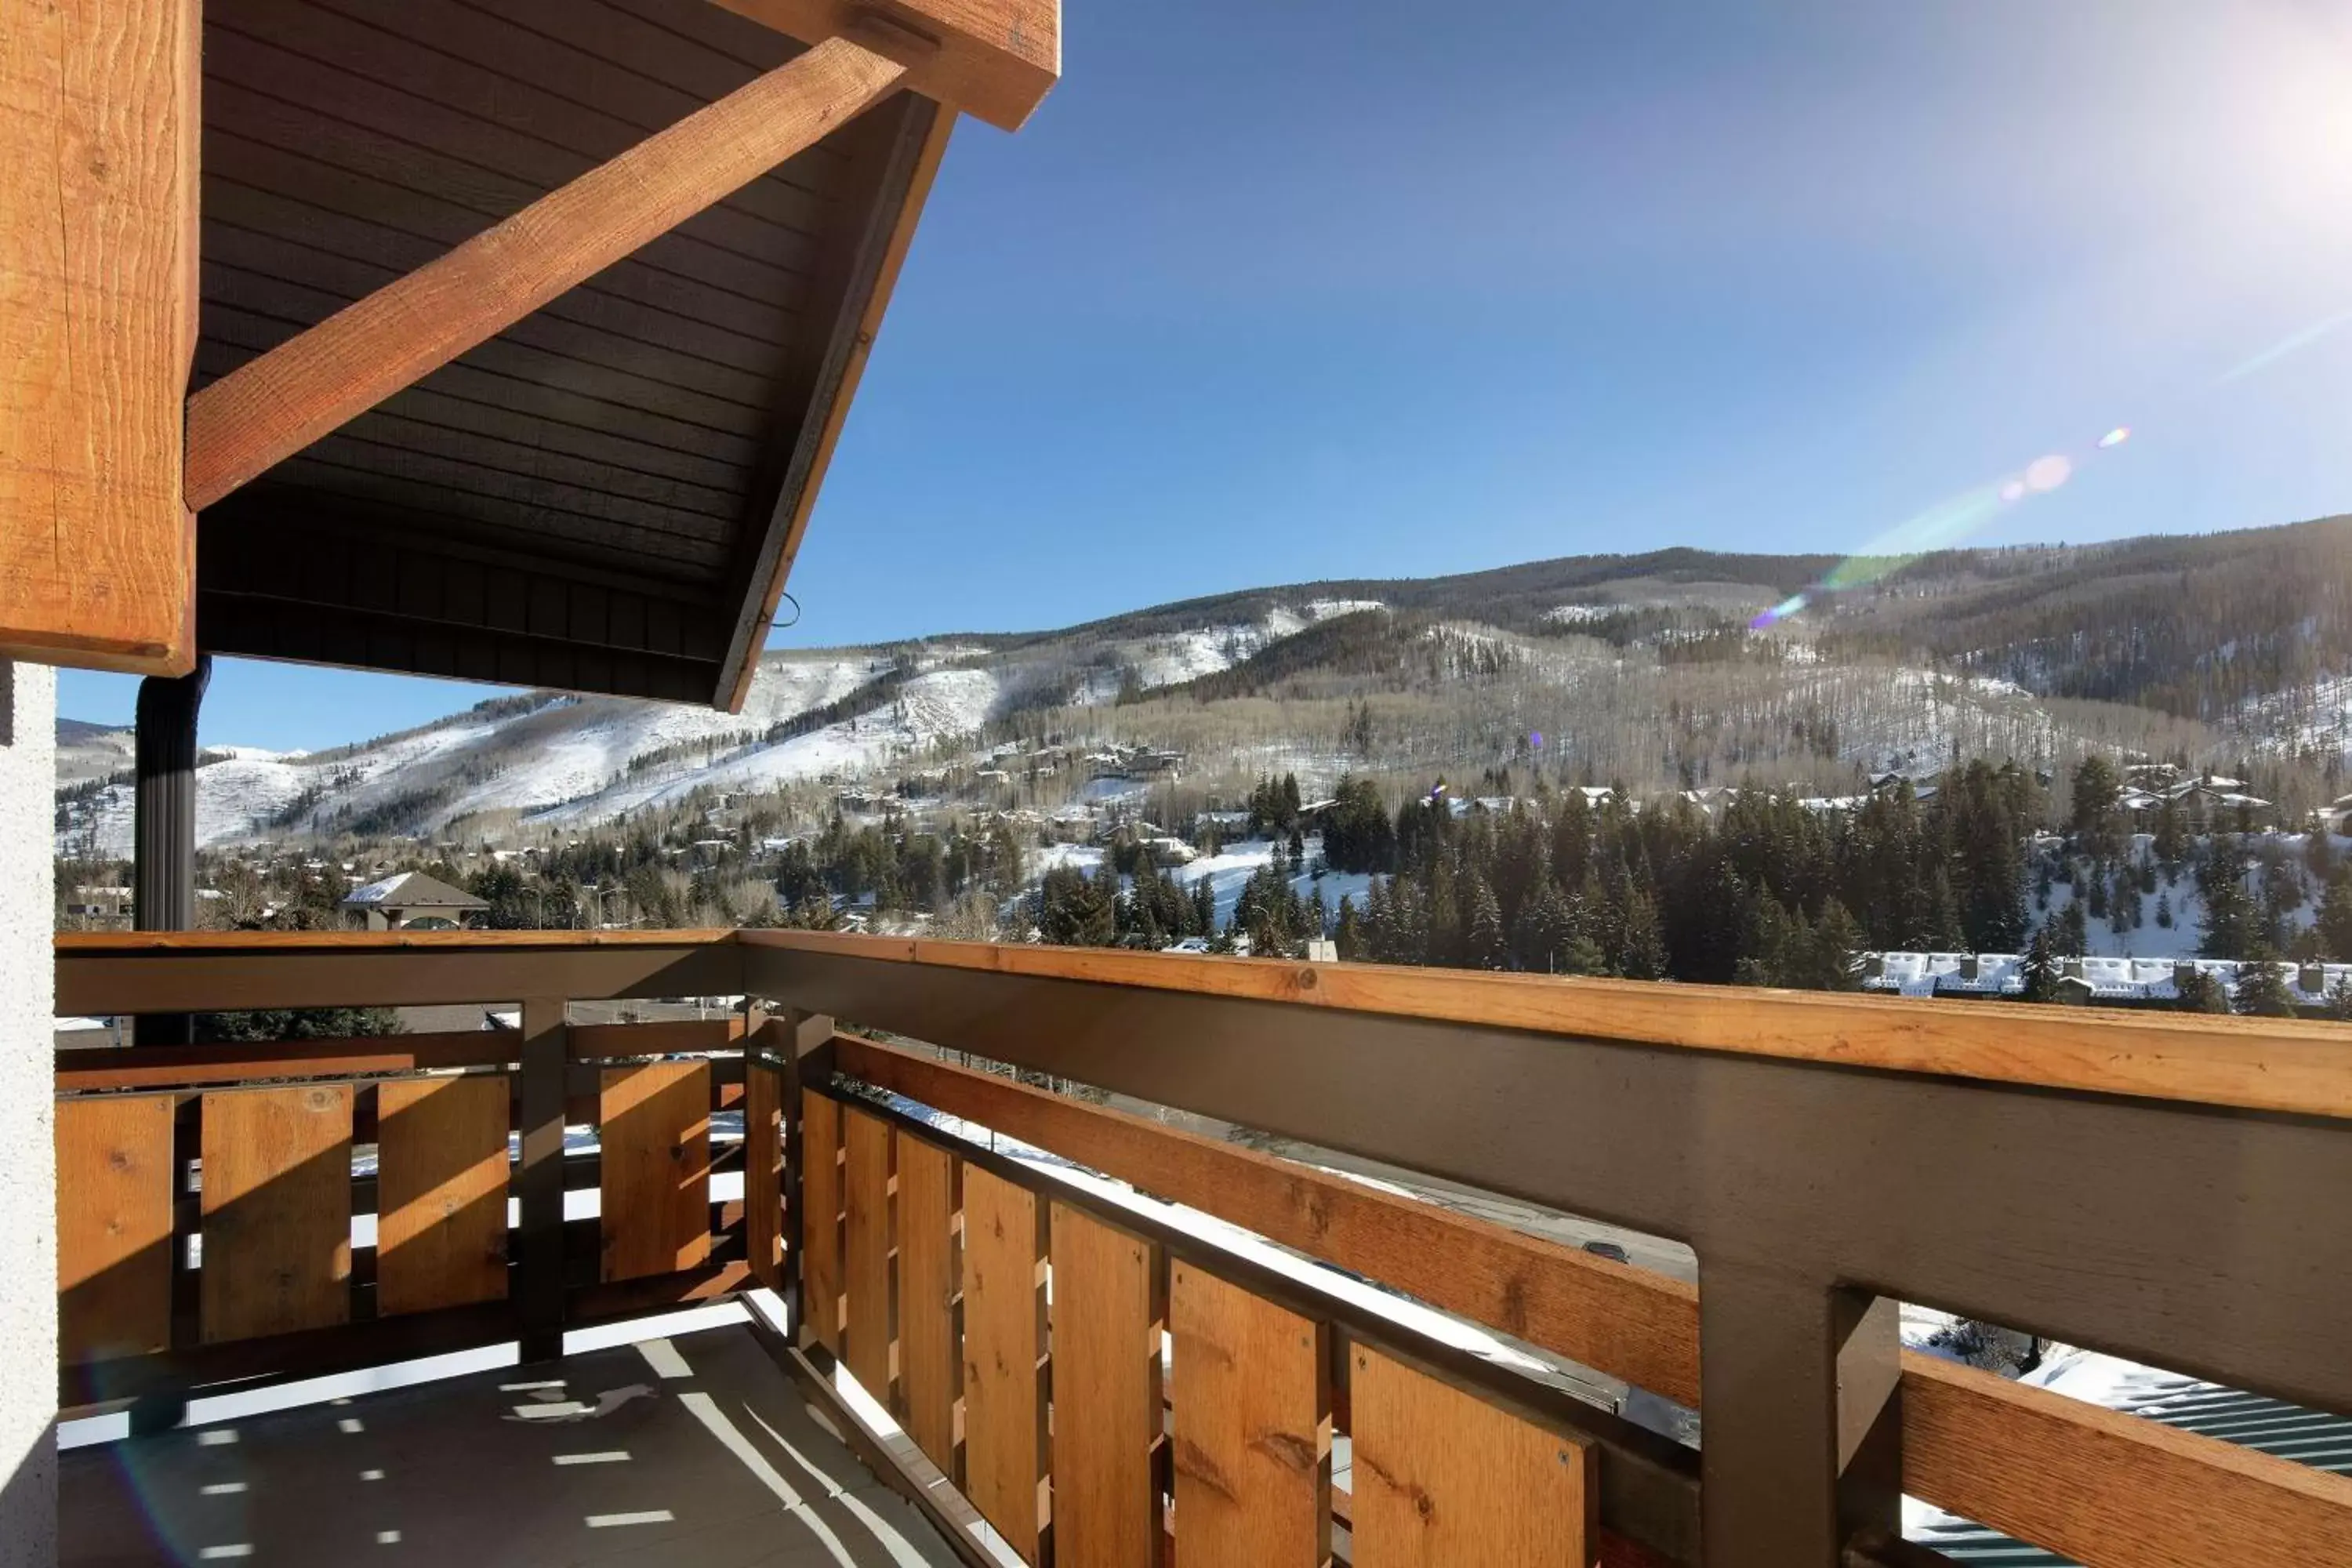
{"x": 28, "y": 1253}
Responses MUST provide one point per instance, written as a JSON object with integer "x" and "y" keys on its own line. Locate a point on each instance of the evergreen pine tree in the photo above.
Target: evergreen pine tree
{"x": 2262, "y": 987}
{"x": 2039, "y": 969}
{"x": 1348, "y": 936}
{"x": 1484, "y": 944}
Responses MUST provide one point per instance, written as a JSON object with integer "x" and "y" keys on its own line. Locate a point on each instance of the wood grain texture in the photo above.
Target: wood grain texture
{"x": 441, "y": 1192}
{"x": 930, "y": 1370}
{"x": 865, "y": 1251}
{"x": 170, "y": 1067}
{"x": 98, "y": 128}
{"x": 2256, "y": 1064}
{"x": 1250, "y": 1392}
{"x": 1442, "y": 1478}
{"x": 1108, "y": 1311}
{"x": 273, "y": 406}
{"x": 1004, "y": 1346}
{"x": 820, "y": 1231}
{"x": 114, "y": 1225}
{"x": 763, "y": 1171}
{"x": 1637, "y": 1325}
{"x": 2108, "y": 1488}
{"x": 655, "y": 1176}
{"x": 277, "y": 1210}
{"x": 993, "y": 59}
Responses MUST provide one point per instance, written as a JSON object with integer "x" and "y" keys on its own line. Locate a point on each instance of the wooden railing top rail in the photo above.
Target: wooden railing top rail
{"x": 2261, "y": 1064}
{"x": 132, "y": 944}
{"x": 2289, "y": 1065}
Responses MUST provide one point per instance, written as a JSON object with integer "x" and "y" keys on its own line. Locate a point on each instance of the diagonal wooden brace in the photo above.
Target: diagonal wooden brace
{"x": 273, "y": 406}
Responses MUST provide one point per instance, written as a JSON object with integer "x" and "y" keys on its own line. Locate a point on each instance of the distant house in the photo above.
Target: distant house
{"x": 412, "y": 901}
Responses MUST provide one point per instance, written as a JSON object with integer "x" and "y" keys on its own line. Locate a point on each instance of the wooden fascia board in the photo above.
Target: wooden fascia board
{"x": 873, "y": 273}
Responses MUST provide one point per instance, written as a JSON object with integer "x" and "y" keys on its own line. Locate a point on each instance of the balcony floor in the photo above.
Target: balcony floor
{"x": 692, "y": 1451}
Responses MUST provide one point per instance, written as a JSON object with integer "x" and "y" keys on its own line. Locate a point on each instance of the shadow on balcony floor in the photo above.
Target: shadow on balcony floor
{"x": 696, "y": 1451}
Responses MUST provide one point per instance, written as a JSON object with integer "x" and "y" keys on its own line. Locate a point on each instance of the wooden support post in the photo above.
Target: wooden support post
{"x": 538, "y": 1277}
{"x": 803, "y": 1036}
{"x": 271, "y": 407}
{"x": 98, "y": 128}
{"x": 163, "y": 825}
{"x": 1802, "y": 1436}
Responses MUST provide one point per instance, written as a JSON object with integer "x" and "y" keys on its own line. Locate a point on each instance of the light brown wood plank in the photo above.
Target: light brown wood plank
{"x": 929, "y": 1368}
{"x": 273, "y": 406}
{"x": 1249, "y": 1389}
{"x": 99, "y": 130}
{"x": 2104, "y": 1486}
{"x": 994, "y": 60}
{"x": 763, "y": 1171}
{"x": 1631, "y": 1323}
{"x": 162, "y": 1067}
{"x": 1003, "y": 1343}
{"x": 277, "y": 1210}
{"x": 865, "y": 1251}
{"x": 114, "y": 1225}
{"x": 655, "y": 1127}
{"x": 441, "y": 1192}
{"x": 1108, "y": 1310}
{"x": 2261, "y": 1064}
{"x": 1442, "y": 1478}
{"x": 821, "y": 1279}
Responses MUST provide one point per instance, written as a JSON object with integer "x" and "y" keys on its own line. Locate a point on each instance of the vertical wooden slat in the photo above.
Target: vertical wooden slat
{"x": 1003, "y": 1343}
{"x": 1108, "y": 1309}
{"x": 820, "y": 1229}
{"x": 441, "y": 1192}
{"x": 1250, "y": 1389}
{"x": 865, "y": 1251}
{"x": 1442, "y": 1477}
{"x": 930, "y": 1370}
{"x": 277, "y": 1210}
{"x": 99, "y": 131}
{"x": 114, "y": 1225}
{"x": 655, "y": 1133}
{"x": 763, "y": 1170}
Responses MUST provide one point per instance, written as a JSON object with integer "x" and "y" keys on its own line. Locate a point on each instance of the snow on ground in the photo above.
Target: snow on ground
{"x": 1226, "y": 872}
{"x": 1173, "y": 658}
{"x": 1233, "y": 866}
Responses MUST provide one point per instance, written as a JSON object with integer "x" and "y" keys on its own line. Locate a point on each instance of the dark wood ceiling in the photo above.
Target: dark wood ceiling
{"x": 598, "y": 498}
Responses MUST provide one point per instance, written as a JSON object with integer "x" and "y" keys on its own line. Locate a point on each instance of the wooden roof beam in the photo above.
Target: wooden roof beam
{"x": 993, "y": 59}
{"x": 98, "y": 324}
{"x": 274, "y": 405}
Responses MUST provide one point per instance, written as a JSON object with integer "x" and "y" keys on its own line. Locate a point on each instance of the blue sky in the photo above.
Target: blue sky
{"x": 1335, "y": 288}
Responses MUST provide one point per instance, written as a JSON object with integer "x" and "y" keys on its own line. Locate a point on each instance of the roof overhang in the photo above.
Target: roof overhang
{"x": 604, "y": 493}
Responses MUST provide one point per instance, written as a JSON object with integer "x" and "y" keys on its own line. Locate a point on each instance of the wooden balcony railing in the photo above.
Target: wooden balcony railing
{"x": 2167, "y": 1188}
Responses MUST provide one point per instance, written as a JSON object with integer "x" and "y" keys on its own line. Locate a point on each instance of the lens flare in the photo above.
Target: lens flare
{"x": 1780, "y": 611}
{"x": 2046, "y": 474}
{"x": 2013, "y": 492}
{"x": 2115, "y": 437}
{"x": 2294, "y": 342}
{"x": 1535, "y": 740}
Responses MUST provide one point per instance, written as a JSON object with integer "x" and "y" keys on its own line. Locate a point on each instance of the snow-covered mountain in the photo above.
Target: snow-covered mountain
{"x": 1658, "y": 671}
{"x": 546, "y": 761}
